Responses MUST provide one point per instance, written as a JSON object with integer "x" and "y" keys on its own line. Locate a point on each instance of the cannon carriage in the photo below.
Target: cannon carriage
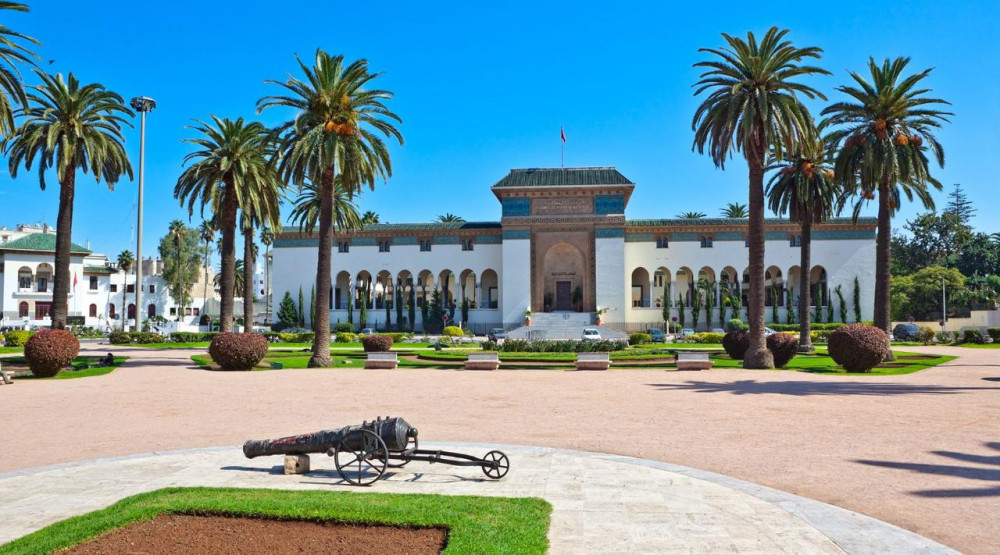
{"x": 362, "y": 453}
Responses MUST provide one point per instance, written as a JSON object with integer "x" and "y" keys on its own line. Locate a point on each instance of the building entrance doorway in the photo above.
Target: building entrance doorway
{"x": 563, "y": 295}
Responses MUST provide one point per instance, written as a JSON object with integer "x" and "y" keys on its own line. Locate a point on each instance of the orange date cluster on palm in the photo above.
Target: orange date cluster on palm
{"x": 901, "y": 140}
{"x": 343, "y": 129}
{"x": 880, "y": 128}
{"x": 916, "y": 140}
{"x": 855, "y": 140}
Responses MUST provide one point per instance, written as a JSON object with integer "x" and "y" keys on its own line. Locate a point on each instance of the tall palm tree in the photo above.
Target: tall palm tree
{"x": 261, "y": 209}
{"x": 12, "y": 53}
{"x": 753, "y": 107}
{"x": 805, "y": 188}
{"x": 306, "y": 209}
{"x": 72, "y": 127}
{"x": 448, "y": 217}
{"x": 266, "y": 239}
{"x": 369, "y": 218}
{"x": 691, "y": 215}
{"x": 176, "y": 231}
{"x": 735, "y": 210}
{"x": 239, "y": 285}
{"x": 338, "y": 129}
{"x": 884, "y": 133}
{"x": 206, "y": 232}
{"x": 228, "y": 166}
{"x": 125, "y": 263}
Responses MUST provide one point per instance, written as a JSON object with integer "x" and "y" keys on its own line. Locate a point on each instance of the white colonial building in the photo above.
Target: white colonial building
{"x": 563, "y": 245}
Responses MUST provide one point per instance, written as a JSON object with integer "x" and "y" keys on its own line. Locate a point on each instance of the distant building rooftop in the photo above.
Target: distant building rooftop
{"x": 562, "y": 177}
{"x": 39, "y": 242}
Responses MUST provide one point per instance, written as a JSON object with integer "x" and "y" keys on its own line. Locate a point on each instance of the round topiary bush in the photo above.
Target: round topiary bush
{"x": 736, "y": 344}
{"x": 735, "y": 324}
{"x": 640, "y": 338}
{"x": 376, "y": 343}
{"x": 238, "y": 351}
{"x": 452, "y": 331}
{"x": 783, "y": 347}
{"x": 858, "y": 347}
{"x": 50, "y": 351}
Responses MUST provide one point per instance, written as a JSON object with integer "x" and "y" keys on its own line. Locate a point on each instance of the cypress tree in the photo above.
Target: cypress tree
{"x": 857, "y": 300}
{"x": 412, "y": 308}
{"x": 287, "y": 315}
{"x": 302, "y": 308}
{"x": 841, "y": 304}
{"x": 312, "y": 308}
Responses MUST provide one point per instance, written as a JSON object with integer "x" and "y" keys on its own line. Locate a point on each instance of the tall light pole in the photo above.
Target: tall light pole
{"x": 141, "y": 104}
{"x": 944, "y": 307}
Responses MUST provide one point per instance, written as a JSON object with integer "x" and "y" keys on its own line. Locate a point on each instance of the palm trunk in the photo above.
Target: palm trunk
{"x": 757, "y": 355}
{"x": 204, "y": 298}
{"x": 267, "y": 283}
{"x": 883, "y": 254}
{"x": 248, "y": 264}
{"x": 180, "y": 294}
{"x": 124, "y": 312}
{"x": 64, "y": 240}
{"x": 228, "y": 273}
{"x": 805, "y": 268}
{"x": 321, "y": 343}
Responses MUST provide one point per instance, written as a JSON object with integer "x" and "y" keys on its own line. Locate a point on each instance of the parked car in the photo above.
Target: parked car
{"x": 366, "y": 331}
{"x": 591, "y": 334}
{"x": 905, "y": 332}
{"x": 686, "y": 332}
{"x": 719, "y": 331}
{"x": 497, "y": 335}
{"x": 656, "y": 335}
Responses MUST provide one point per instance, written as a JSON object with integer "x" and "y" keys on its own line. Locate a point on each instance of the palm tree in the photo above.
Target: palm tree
{"x": 369, "y": 218}
{"x": 448, "y": 217}
{"x": 176, "y": 230}
{"x": 804, "y": 187}
{"x": 125, "y": 262}
{"x": 306, "y": 209}
{"x": 753, "y": 107}
{"x": 735, "y": 210}
{"x": 72, "y": 127}
{"x": 266, "y": 239}
{"x": 691, "y": 215}
{"x": 884, "y": 134}
{"x": 12, "y": 53}
{"x": 228, "y": 167}
{"x": 206, "y": 232}
{"x": 262, "y": 209}
{"x": 238, "y": 279}
{"x": 338, "y": 129}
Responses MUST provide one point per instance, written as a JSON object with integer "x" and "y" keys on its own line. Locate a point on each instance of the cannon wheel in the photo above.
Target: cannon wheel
{"x": 410, "y": 442}
{"x": 369, "y": 460}
{"x": 495, "y": 464}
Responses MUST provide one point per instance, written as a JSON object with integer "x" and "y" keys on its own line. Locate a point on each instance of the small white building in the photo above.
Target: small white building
{"x": 563, "y": 245}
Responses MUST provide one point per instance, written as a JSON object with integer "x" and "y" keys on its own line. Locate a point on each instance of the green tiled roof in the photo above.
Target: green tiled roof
{"x": 562, "y": 177}
{"x": 42, "y": 242}
{"x": 98, "y": 270}
{"x": 735, "y": 221}
{"x": 429, "y": 226}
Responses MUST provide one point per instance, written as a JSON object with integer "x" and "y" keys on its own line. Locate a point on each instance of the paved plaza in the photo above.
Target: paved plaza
{"x": 917, "y": 451}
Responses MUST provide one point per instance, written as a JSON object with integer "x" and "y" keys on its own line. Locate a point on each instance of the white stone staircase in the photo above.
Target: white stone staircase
{"x": 562, "y": 325}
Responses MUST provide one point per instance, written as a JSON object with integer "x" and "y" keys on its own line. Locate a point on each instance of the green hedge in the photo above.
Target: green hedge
{"x": 142, "y": 337}
{"x": 640, "y": 338}
{"x": 192, "y": 337}
{"x": 17, "y": 338}
{"x": 706, "y": 337}
{"x": 565, "y": 346}
{"x": 994, "y": 333}
{"x": 813, "y": 327}
{"x": 346, "y": 337}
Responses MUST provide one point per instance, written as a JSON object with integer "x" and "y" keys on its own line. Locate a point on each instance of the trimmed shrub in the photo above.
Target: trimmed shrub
{"x": 925, "y": 335}
{"x": 345, "y": 337}
{"x": 146, "y": 337}
{"x": 994, "y": 334}
{"x": 272, "y": 336}
{"x": 640, "y": 338}
{"x": 398, "y": 337}
{"x": 736, "y": 344}
{"x": 17, "y": 338}
{"x": 238, "y": 351}
{"x": 452, "y": 331}
{"x": 119, "y": 337}
{"x": 944, "y": 337}
{"x": 489, "y": 345}
{"x": 563, "y": 346}
{"x": 973, "y": 335}
{"x": 736, "y": 325}
{"x": 50, "y": 351}
{"x": 376, "y": 343}
{"x": 193, "y": 337}
{"x": 707, "y": 337}
{"x": 343, "y": 327}
{"x": 783, "y": 347}
{"x": 858, "y": 347}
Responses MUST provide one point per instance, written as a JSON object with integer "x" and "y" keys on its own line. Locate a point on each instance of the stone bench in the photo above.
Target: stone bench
{"x": 482, "y": 361}
{"x": 593, "y": 361}
{"x": 382, "y": 361}
{"x": 6, "y": 377}
{"x": 693, "y": 361}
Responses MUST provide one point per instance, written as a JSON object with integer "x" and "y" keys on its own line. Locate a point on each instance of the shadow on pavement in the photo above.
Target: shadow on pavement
{"x": 989, "y": 473}
{"x": 804, "y": 388}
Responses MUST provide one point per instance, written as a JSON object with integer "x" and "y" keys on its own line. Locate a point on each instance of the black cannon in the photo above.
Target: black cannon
{"x": 362, "y": 452}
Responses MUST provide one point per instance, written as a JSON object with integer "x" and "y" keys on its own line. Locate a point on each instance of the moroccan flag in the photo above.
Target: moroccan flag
{"x": 74, "y": 282}
{"x": 562, "y": 134}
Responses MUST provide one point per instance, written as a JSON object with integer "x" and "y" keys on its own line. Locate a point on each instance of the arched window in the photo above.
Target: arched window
{"x": 111, "y": 310}
{"x": 22, "y": 310}
{"x": 93, "y": 311}
{"x": 151, "y": 311}
{"x": 131, "y": 311}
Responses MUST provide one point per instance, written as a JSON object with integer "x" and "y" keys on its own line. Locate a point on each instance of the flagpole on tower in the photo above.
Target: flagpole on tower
{"x": 562, "y": 148}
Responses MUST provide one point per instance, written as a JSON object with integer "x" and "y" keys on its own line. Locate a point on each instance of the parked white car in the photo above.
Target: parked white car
{"x": 591, "y": 334}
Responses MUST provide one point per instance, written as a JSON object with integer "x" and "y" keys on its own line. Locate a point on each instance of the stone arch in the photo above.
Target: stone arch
{"x": 25, "y": 277}
{"x": 363, "y": 289}
{"x": 794, "y": 273}
{"x": 382, "y": 290}
{"x": 425, "y": 287}
{"x": 639, "y": 293}
{"x": 564, "y": 270}
{"x": 661, "y": 287}
{"x": 111, "y": 310}
{"x": 447, "y": 285}
{"x": 773, "y": 282}
{"x": 342, "y": 289}
{"x": 685, "y": 284}
{"x": 22, "y": 310}
{"x": 43, "y": 277}
{"x": 131, "y": 311}
{"x": 467, "y": 287}
{"x": 92, "y": 311}
{"x": 489, "y": 289}
{"x": 819, "y": 285}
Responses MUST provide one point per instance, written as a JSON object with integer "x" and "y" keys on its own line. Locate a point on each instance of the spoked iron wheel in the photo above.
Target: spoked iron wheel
{"x": 412, "y": 443}
{"x": 496, "y": 465}
{"x": 361, "y": 457}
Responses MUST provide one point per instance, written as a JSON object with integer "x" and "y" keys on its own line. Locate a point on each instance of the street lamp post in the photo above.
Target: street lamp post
{"x": 944, "y": 307}
{"x": 141, "y": 104}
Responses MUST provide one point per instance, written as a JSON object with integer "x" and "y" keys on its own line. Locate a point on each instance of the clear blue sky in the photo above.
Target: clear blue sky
{"x": 483, "y": 89}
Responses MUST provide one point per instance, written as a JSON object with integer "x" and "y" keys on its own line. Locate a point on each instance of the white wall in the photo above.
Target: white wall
{"x": 515, "y": 285}
{"x": 610, "y": 259}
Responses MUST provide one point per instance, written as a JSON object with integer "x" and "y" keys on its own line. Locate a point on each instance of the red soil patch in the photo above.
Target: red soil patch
{"x": 221, "y": 535}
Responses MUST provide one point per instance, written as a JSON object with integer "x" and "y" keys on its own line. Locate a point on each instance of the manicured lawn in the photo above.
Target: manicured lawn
{"x": 333, "y": 346}
{"x": 10, "y": 350}
{"x": 296, "y": 360}
{"x": 81, "y": 363}
{"x": 979, "y": 346}
{"x": 475, "y": 524}
{"x": 821, "y": 363}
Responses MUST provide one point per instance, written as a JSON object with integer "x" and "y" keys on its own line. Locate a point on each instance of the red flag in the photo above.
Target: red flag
{"x": 562, "y": 134}
{"x": 74, "y": 282}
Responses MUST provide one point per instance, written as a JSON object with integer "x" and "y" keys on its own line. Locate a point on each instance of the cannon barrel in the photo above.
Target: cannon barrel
{"x": 395, "y": 432}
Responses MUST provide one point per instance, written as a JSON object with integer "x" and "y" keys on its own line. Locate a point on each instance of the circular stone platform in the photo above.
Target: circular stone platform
{"x": 601, "y": 503}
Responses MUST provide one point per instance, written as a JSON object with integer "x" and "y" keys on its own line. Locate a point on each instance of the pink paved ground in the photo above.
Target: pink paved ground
{"x": 921, "y": 451}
